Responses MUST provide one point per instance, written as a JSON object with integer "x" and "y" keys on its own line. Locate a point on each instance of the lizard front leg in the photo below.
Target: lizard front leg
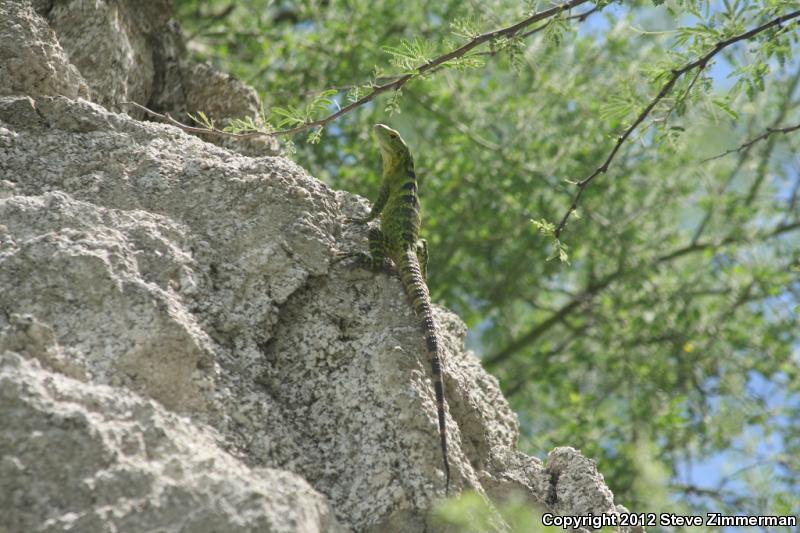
{"x": 377, "y": 207}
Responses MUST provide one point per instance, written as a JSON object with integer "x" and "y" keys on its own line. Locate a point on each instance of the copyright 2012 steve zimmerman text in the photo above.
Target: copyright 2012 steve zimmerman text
{"x": 596, "y": 521}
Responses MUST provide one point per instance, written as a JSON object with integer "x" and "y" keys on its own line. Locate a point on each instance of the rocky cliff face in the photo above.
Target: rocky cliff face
{"x": 179, "y": 351}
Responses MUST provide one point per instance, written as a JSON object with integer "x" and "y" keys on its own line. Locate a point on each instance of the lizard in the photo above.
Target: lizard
{"x": 397, "y": 242}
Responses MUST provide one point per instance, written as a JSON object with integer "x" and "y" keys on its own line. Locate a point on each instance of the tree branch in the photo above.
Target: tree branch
{"x": 396, "y": 83}
{"x": 701, "y": 63}
{"x": 580, "y": 17}
{"x": 596, "y": 286}
{"x": 751, "y": 142}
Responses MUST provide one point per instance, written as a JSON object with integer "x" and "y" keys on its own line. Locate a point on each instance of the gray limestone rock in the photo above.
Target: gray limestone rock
{"x": 113, "y": 52}
{"x": 32, "y": 61}
{"x": 78, "y": 456}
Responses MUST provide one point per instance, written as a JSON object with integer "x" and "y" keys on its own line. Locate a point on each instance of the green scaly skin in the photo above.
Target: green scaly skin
{"x": 396, "y": 240}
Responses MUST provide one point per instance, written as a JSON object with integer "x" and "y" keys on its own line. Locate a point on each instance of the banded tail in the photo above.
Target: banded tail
{"x": 417, "y": 291}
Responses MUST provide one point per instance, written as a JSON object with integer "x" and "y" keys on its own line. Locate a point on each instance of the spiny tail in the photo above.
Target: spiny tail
{"x": 417, "y": 291}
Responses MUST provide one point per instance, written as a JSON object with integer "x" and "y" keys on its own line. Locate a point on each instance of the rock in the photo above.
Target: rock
{"x": 84, "y": 457}
{"x": 31, "y": 59}
{"x": 119, "y": 52}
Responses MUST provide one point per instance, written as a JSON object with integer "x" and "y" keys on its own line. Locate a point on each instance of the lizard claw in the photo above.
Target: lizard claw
{"x": 341, "y": 256}
{"x": 364, "y": 260}
{"x": 355, "y": 220}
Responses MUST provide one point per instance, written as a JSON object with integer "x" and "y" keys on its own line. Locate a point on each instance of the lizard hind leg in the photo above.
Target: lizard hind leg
{"x": 377, "y": 259}
{"x": 421, "y": 248}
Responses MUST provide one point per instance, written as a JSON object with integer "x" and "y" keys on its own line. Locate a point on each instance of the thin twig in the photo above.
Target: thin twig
{"x": 786, "y": 105}
{"x": 580, "y": 17}
{"x": 700, "y": 63}
{"x": 192, "y": 129}
{"x": 396, "y": 84}
{"x": 751, "y": 142}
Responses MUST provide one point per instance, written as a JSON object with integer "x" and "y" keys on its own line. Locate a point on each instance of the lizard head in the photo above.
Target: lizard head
{"x": 393, "y": 147}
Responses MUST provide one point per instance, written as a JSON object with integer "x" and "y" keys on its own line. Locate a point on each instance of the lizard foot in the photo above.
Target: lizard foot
{"x": 353, "y": 220}
{"x": 364, "y": 260}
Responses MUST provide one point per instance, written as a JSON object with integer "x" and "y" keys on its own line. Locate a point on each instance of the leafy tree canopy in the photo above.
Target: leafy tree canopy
{"x": 610, "y": 197}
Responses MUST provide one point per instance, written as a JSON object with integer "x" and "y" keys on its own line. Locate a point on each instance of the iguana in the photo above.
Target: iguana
{"x": 396, "y": 242}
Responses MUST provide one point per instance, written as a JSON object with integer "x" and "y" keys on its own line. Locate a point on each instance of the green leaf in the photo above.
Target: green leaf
{"x": 724, "y": 105}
